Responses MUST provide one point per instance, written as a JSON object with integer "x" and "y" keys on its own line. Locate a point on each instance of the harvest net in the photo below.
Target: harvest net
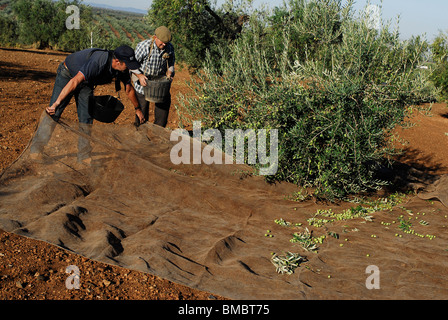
{"x": 196, "y": 225}
{"x": 210, "y": 227}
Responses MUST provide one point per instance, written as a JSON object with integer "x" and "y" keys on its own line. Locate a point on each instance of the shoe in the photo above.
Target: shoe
{"x": 86, "y": 162}
{"x": 83, "y": 164}
{"x": 37, "y": 156}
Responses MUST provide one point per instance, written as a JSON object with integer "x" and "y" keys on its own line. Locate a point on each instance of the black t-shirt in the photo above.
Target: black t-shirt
{"x": 96, "y": 66}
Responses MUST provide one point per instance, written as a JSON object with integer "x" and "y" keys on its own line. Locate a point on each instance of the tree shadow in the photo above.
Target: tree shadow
{"x": 59, "y": 54}
{"x": 410, "y": 171}
{"x": 17, "y": 72}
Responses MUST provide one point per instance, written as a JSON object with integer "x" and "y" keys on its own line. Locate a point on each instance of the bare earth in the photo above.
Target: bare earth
{"x": 35, "y": 270}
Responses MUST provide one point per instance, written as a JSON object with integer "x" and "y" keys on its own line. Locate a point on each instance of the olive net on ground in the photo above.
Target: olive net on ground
{"x": 437, "y": 191}
{"x": 200, "y": 225}
{"x": 197, "y": 225}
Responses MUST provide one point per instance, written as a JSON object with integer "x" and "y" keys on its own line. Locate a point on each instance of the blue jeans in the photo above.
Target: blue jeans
{"x": 83, "y": 95}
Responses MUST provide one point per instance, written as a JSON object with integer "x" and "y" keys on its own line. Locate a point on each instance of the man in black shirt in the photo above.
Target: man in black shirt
{"x": 78, "y": 76}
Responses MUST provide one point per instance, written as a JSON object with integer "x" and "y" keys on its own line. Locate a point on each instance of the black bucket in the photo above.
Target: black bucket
{"x": 105, "y": 108}
{"x": 158, "y": 89}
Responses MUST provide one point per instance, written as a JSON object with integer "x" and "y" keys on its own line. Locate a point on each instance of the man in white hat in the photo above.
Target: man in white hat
{"x": 157, "y": 58}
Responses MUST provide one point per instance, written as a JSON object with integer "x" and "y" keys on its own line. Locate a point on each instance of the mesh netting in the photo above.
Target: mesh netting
{"x": 210, "y": 227}
{"x": 197, "y": 225}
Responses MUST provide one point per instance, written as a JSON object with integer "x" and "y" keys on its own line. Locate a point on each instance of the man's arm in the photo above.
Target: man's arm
{"x": 68, "y": 89}
{"x": 171, "y": 64}
{"x": 142, "y": 51}
{"x": 130, "y": 91}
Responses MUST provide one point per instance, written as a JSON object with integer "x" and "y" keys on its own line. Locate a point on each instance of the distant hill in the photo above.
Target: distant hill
{"x": 126, "y": 9}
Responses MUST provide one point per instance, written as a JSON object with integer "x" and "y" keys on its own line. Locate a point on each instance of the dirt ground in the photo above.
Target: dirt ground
{"x": 34, "y": 270}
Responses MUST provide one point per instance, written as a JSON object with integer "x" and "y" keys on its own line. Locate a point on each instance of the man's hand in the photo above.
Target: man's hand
{"x": 142, "y": 78}
{"x": 52, "y": 109}
{"x": 140, "y": 115}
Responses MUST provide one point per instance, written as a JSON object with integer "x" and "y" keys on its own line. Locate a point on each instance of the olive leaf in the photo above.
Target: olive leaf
{"x": 287, "y": 263}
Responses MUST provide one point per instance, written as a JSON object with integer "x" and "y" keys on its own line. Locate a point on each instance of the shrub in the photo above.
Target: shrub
{"x": 439, "y": 50}
{"x": 48, "y": 16}
{"x": 8, "y": 31}
{"x": 334, "y": 101}
{"x": 197, "y": 26}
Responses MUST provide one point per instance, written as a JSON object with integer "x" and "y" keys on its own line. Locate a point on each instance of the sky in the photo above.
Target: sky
{"x": 417, "y": 17}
